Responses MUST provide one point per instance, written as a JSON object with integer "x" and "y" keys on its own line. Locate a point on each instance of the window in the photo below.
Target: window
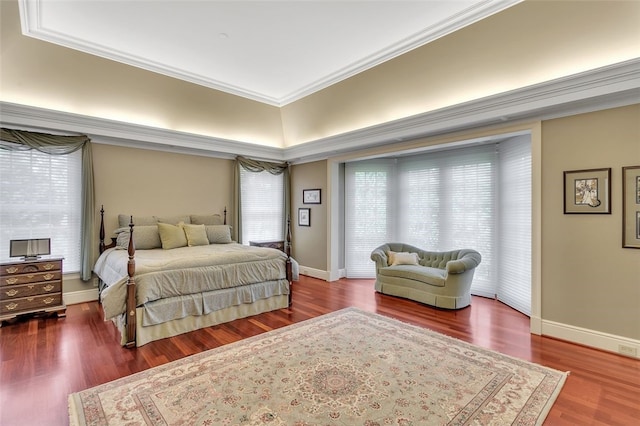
{"x": 477, "y": 197}
{"x": 41, "y": 198}
{"x": 262, "y": 198}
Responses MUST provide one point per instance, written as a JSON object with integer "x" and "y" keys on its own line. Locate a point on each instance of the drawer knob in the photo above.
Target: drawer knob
{"x": 12, "y": 270}
{"x": 11, "y": 306}
{"x": 48, "y": 300}
{"x": 48, "y": 276}
{"x": 48, "y": 287}
{"x": 12, "y": 293}
{"x": 12, "y": 280}
{"x": 49, "y": 266}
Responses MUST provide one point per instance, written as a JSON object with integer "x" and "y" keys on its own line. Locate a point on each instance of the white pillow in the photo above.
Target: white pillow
{"x": 172, "y": 236}
{"x": 403, "y": 258}
{"x": 196, "y": 235}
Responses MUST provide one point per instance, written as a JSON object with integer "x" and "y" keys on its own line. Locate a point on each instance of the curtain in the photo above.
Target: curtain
{"x": 62, "y": 145}
{"x": 257, "y": 167}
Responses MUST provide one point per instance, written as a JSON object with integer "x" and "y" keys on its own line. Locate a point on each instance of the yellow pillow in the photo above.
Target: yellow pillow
{"x": 196, "y": 235}
{"x": 172, "y": 236}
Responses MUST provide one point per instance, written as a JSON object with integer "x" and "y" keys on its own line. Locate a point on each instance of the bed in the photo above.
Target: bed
{"x": 155, "y": 283}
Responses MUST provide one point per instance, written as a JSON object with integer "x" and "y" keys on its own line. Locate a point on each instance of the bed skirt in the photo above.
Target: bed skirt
{"x": 146, "y": 334}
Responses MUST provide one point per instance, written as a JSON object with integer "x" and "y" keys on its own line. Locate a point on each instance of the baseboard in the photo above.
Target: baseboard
{"x": 604, "y": 341}
{"x": 74, "y": 297}
{"x": 315, "y": 273}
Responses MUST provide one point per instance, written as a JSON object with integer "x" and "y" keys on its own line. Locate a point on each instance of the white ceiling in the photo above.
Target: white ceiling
{"x": 271, "y": 51}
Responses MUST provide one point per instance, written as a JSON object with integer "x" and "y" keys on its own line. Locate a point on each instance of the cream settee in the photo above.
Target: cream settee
{"x": 441, "y": 279}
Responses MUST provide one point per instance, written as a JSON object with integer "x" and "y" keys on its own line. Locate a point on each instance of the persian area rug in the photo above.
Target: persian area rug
{"x": 348, "y": 368}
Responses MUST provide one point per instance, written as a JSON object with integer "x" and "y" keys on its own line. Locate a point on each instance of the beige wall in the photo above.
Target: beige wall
{"x": 143, "y": 182}
{"x": 588, "y": 279}
{"x": 532, "y": 42}
{"x": 309, "y": 243}
{"x": 45, "y": 75}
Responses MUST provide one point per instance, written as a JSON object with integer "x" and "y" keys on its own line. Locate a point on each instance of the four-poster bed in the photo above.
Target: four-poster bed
{"x": 152, "y": 292}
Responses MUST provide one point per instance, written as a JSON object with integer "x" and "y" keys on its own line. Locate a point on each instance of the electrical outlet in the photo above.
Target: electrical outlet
{"x": 628, "y": 350}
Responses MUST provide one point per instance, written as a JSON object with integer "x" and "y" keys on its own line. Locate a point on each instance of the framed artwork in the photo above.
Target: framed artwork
{"x": 311, "y": 196}
{"x": 304, "y": 217}
{"x": 587, "y": 191}
{"x": 631, "y": 207}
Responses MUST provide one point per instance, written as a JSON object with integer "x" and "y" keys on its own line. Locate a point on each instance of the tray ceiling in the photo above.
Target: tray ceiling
{"x": 273, "y": 52}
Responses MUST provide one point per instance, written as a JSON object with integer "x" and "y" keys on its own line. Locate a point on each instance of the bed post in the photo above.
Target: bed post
{"x": 287, "y": 250}
{"x": 225, "y": 215}
{"x": 101, "y": 229}
{"x": 131, "y": 292}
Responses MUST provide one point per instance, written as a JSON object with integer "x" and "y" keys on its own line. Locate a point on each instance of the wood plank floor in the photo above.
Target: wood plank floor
{"x": 42, "y": 360}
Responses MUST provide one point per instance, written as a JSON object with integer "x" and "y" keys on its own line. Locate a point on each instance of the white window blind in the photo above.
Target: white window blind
{"x": 448, "y": 202}
{"x": 369, "y": 215}
{"x": 514, "y": 268}
{"x": 41, "y": 198}
{"x": 476, "y": 197}
{"x": 262, "y": 197}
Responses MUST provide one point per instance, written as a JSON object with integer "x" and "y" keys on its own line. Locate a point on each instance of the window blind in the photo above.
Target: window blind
{"x": 369, "y": 213}
{"x": 262, "y": 196}
{"x": 474, "y": 197}
{"x": 41, "y": 198}
{"x": 514, "y": 268}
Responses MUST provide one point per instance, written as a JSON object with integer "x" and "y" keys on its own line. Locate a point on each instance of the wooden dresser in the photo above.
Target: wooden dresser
{"x": 30, "y": 286}
{"x": 276, "y": 244}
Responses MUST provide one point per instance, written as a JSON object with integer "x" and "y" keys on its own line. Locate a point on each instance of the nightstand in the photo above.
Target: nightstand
{"x": 276, "y": 244}
{"x": 31, "y": 286}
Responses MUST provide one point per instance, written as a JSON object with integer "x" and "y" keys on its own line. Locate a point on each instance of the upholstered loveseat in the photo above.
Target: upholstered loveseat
{"x": 441, "y": 279}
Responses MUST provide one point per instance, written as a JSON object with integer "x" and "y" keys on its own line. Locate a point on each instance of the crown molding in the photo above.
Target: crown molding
{"x": 603, "y": 88}
{"x": 120, "y": 133}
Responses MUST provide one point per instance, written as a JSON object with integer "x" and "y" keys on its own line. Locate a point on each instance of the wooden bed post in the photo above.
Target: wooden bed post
{"x": 287, "y": 250}
{"x": 101, "y": 229}
{"x": 130, "y": 316}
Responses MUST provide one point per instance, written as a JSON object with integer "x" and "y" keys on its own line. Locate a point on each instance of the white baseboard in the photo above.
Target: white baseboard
{"x": 595, "y": 339}
{"x": 74, "y": 297}
{"x": 315, "y": 273}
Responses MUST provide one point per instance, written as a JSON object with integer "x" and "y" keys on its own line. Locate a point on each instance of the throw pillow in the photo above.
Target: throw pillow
{"x": 172, "y": 236}
{"x": 196, "y": 235}
{"x": 145, "y": 237}
{"x": 219, "y": 234}
{"x": 404, "y": 258}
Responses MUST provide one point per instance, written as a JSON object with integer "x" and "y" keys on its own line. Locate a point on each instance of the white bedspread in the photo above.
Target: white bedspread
{"x": 162, "y": 274}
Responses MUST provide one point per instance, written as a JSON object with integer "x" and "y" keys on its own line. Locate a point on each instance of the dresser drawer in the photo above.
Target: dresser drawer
{"x": 30, "y": 303}
{"x": 27, "y": 268}
{"x": 34, "y": 289}
{"x": 30, "y": 278}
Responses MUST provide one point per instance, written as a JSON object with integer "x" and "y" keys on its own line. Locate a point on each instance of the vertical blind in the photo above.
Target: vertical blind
{"x": 41, "y": 198}
{"x": 262, "y": 196}
{"x": 442, "y": 201}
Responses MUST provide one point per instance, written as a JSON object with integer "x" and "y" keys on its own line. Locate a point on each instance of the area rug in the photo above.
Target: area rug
{"x": 349, "y": 367}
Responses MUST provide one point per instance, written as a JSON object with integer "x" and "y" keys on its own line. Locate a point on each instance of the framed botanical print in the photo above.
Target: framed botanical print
{"x": 311, "y": 196}
{"x": 304, "y": 217}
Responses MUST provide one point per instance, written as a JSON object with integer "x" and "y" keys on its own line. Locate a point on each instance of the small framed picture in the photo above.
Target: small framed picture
{"x": 587, "y": 191}
{"x": 631, "y": 207}
{"x": 311, "y": 196}
{"x": 304, "y": 217}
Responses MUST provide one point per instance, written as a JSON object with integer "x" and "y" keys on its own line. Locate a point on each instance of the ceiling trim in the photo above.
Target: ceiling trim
{"x": 31, "y": 21}
{"x": 602, "y": 88}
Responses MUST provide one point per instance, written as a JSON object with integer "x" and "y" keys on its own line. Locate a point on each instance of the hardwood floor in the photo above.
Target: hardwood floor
{"x": 42, "y": 360}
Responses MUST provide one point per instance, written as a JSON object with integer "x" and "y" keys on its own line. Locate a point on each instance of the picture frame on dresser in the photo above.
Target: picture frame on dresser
{"x": 631, "y": 207}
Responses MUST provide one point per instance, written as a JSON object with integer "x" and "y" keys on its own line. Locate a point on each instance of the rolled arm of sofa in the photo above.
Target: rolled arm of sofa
{"x": 379, "y": 256}
{"x": 468, "y": 259}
